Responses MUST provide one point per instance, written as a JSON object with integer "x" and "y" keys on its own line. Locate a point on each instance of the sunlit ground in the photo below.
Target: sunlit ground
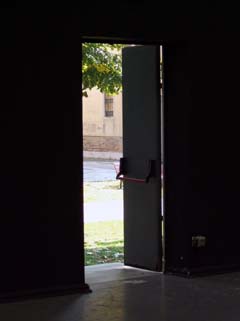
{"x": 103, "y": 240}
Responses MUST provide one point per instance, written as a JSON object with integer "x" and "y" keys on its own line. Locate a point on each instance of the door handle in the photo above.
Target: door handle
{"x": 122, "y": 171}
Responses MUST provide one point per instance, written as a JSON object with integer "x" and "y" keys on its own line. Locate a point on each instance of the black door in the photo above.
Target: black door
{"x": 141, "y": 161}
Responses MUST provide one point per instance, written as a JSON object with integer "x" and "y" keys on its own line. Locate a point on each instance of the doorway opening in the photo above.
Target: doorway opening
{"x": 102, "y": 149}
{"x": 135, "y": 237}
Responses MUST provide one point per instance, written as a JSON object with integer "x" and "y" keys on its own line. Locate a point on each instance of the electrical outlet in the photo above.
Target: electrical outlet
{"x": 199, "y": 241}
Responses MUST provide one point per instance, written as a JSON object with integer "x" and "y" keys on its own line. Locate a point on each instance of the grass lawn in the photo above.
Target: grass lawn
{"x": 103, "y": 242}
{"x": 102, "y": 191}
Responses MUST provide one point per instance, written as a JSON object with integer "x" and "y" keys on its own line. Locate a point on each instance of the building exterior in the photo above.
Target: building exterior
{"x": 102, "y": 125}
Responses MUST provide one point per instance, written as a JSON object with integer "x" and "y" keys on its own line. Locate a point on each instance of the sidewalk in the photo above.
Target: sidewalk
{"x": 99, "y": 170}
{"x": 103, "y": 211}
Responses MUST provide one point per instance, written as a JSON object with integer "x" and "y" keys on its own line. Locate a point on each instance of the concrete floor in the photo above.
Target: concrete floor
{"x": 127, "y": 294}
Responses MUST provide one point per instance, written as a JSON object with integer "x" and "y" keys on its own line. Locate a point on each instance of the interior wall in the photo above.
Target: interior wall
{"x": 202, "y": 163}
{"x": 41, "y": 225}
{"x": 177, "y": 99}
{"x": 214, "y": 160}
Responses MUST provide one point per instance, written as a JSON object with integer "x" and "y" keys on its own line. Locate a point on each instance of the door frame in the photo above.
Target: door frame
{"x": 135, "y": 41}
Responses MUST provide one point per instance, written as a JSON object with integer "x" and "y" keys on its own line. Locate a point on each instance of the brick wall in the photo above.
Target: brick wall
{"x": 102, "y": 144}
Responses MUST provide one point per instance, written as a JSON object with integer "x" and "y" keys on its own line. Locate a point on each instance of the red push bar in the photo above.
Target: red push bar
{"x": 122, "y": 177}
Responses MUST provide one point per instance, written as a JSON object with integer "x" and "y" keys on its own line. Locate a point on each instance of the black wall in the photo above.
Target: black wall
{"x": 41, "y": 228}
{"x": 40, "y": 188}
{"x": 202, "y": 161}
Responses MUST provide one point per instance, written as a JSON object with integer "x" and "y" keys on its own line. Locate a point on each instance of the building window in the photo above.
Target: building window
{"x": 108, "y": 105}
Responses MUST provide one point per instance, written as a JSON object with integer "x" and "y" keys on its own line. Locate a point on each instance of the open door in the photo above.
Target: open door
{"x": 141, "y": 163}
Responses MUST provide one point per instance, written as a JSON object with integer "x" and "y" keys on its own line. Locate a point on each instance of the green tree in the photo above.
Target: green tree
{"x": 101, "y": 68}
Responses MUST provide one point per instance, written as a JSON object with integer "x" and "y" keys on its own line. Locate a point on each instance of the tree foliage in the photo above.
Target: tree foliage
{"x": 101, "y": 68}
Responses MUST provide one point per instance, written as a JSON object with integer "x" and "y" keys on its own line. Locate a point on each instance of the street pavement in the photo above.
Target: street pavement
{"x": 103, "y": 211}
{"x": 98, "y": 171}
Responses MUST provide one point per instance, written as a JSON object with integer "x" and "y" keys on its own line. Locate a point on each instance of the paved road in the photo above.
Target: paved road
{"x": 98, "y": 171}
{"x": 103, "y": 211}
